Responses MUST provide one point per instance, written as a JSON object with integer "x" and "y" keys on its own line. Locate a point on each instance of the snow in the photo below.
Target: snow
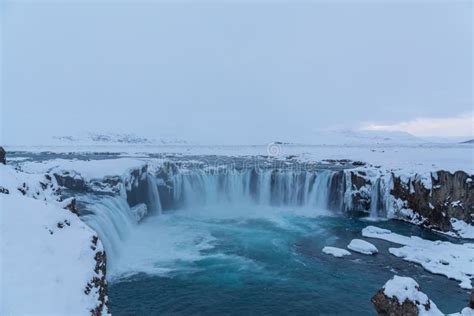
{"x": 46, "y": 256}
{"x": 463, "y": 229}
{"x": 362, "y": 246}
{"x": 455, "y": 261}
{"x": 404, "y": 288}
{"x": 87, "y": 169}
{"x": 466, "y": 312}
{"x": 336, "y": 252}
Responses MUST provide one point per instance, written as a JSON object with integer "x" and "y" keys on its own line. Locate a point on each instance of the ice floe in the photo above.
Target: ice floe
{"x": 336, "y": 252}
{"x": 362, "y": 246}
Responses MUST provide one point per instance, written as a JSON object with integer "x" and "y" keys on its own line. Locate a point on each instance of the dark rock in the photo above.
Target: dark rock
{"x": 358, "y": 181}
{"x": 471, "y": 300}
{"x": 360, "y": 198}
{"x": 99, "y": 282}
{"x": 72, "y": 206}
{"x": 451, "y": 196}
{"x": 75, "y": 183}
{"x": 390, "y": 306}
{"x": 2, "y": 155}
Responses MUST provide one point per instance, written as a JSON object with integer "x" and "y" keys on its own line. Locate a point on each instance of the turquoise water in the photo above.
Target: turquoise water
{"x": 260, "y": 261}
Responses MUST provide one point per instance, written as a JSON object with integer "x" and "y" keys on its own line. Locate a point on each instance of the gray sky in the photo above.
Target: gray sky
{"x": 235, "y": 72}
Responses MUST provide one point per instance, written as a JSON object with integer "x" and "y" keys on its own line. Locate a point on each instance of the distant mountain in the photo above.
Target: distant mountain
{"x": 115, "y": 139}
{"x": 363, "y": 137}
{"x": 471, "y": 141}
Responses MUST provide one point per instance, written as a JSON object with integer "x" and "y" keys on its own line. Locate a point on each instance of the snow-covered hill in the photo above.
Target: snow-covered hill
{"x": 363, "y": 137}
{"x": 112, "y": 139}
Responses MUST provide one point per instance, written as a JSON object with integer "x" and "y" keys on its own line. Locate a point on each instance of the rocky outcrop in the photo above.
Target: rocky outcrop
{"x": 358, "y": 191}
{"x": 402, "y": 296}
{"x": 450, "y": 196}
{"x": 99, "y": 282}
{"x": 385, "y": 305}
{"x": 2, "y": 155}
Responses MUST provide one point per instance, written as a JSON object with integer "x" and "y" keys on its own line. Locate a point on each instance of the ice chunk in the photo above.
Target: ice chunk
{"x": 336, "y": 252}
{"x": 362, "y": 246}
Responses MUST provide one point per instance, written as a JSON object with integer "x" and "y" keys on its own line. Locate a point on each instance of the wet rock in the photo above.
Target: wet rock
{"x": 2, "y": 155}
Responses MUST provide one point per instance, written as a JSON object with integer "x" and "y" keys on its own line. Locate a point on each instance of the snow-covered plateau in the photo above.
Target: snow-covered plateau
{"x": 76, "y": 201}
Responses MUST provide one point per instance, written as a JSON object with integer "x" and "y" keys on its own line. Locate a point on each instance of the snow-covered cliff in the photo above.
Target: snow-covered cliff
{"x": 51, "y": 262}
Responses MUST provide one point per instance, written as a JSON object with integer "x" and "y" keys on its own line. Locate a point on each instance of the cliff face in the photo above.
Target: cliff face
{"x": 437, "y": 202}
{"x": 450, "y": 196}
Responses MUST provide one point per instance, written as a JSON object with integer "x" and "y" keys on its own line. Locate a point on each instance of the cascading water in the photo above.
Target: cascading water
{"x": 111, "y": 218}
{"x": 115, "y": 217}
{"x": 154, "y": 203}
{"x": 374, "y": 199}
{"x": 250, "y": 187}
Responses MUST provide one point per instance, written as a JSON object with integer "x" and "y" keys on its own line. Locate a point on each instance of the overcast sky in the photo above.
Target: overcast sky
{"x": 235, "y": 72}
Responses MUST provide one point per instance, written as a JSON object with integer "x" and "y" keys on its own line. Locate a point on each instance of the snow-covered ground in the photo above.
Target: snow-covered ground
{"x": 48, "y": 255}
{"x": 456, "y": 261}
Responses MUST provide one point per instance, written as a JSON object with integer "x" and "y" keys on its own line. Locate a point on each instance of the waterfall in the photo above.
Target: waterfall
{"x": 154, "y": 204}
{"x": 111, "y": 218}
{"x": 375, "y": 203}
{"x": 320, "y": 192}
{"x": 249, "y": 187}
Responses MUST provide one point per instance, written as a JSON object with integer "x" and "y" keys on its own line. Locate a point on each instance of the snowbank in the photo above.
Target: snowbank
{"x": 336, "y": 252}
{"x": 362, "y": 246}
{"x": 456, "y": 261}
